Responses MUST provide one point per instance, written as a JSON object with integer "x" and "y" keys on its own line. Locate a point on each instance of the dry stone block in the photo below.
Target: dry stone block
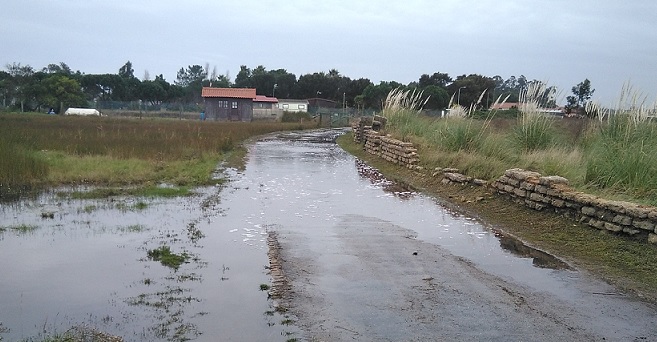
{"x": 542, "y": 189}
{"x": 653, "y": 215}
{"x": 588, "y": 211}
{"x": 550, "y": 180}
{"x": 612, "y": 227}
{"x": 527, "y": 186}
{"x": 622, "y": 219}
{"x": 652, "y": 238}
{"x": 643, "y": 224}
{"x": 597, "y": 223}
{"x": 520, "y": 192}
{"x": 521, "y": 174}
{"x": 558, "y": 203}
{"x": 630, "y": 231}
{"x": 534, "y": 205}
{"x": 637, "y": 211}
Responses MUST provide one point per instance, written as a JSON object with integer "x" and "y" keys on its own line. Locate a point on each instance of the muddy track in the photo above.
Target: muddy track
{"x": 374, "y": 281}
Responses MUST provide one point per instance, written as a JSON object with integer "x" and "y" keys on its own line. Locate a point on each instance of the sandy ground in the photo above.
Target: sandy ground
{"x": 369, "y": 280}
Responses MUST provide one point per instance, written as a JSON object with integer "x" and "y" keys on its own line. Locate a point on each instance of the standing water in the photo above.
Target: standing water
{"x": 93, "y": 263}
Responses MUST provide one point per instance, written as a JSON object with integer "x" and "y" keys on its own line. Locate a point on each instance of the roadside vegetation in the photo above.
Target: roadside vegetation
{"x": 40, "y": 150}
{"x": 609, "y": 155}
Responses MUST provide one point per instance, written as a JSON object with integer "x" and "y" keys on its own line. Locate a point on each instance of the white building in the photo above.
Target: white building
{"x": 294, "y": 106}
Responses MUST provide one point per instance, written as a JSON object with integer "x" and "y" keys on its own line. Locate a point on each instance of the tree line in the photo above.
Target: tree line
{"x": 57, "y": 86}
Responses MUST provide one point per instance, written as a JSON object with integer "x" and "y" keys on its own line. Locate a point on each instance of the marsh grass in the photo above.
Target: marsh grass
{"x": 41, "y": 150}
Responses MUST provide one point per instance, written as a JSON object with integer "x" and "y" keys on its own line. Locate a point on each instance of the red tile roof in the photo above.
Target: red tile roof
{"x": 262, "y": 98}
{"x": 505, "y": 105}
{"x": 236, "y": 93}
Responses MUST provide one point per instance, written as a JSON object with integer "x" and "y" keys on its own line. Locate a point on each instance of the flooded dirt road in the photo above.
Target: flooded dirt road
{"x": 366, "y": 260}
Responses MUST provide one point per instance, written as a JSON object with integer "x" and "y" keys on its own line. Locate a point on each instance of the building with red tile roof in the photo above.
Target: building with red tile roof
{"x": 228, "y": 104}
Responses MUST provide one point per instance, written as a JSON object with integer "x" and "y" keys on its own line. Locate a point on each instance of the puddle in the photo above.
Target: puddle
{"x": 89, "y": 265}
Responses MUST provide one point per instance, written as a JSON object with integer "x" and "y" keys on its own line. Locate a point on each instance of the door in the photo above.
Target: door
{"x": 234, "y": 112}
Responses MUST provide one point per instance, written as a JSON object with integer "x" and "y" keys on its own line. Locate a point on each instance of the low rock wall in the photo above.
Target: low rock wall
{"x": 392, "y": 150}
{"x": 530, "y": 189}
{"x": 553, "y": 193}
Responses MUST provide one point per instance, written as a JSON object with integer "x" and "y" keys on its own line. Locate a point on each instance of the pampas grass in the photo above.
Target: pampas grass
{"x": 534, "y": 131}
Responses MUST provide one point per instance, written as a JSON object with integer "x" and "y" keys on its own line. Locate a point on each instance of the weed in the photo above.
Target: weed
{"x": 264, "y": 287}
{"x": 194, "y": 233}
{"x": 47, "y": 215}
{"x": 21, "y": 229}
{"x": 135, "y": 228}
{"x": 287, "y": 321}
{"x": 164, "y": 255}
{"x": 89, "y": 209}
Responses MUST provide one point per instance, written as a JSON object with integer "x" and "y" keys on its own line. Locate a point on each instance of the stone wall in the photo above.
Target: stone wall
{"x": 553, "y": 193}
{"x": 392, "y": 150}
{"x": 530, "y": 189}
{"x": 366, "y": 132}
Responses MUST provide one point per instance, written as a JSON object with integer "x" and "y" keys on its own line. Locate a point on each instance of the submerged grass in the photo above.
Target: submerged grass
{"x": 20, "y": 229}
{"x": 144, "y": 191}
{"x": 167, "y": 258}
{"x": 40, "y": 150}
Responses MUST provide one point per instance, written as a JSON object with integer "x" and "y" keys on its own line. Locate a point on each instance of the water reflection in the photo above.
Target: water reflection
{"x": 539, "y": 258}
{"x": 376, "y": 178}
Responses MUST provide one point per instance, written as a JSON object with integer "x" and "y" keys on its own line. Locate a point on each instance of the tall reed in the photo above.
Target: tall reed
{"x": 534, "y": 130}
{"x": 621, "y": 148}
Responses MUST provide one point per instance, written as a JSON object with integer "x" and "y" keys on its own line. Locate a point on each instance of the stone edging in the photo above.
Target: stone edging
{"x": 553, "y": 193}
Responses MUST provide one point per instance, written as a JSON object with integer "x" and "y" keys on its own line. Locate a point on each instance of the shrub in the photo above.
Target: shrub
{"x": 295, "y": 116}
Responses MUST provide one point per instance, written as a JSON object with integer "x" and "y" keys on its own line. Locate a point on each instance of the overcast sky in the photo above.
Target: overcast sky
{"x": 562, "y": 42}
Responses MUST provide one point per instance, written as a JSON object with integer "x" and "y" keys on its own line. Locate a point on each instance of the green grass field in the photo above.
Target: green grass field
{"x": 40, "y": 150}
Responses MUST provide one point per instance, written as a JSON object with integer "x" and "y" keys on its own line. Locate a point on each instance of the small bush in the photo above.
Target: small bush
{"x": 295, "y": 116}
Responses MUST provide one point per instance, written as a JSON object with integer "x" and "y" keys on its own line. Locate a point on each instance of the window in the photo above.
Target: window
{"x": 286, "y": 106}
{"x": 234, "y": 105}
{"x": 302, "y": 106}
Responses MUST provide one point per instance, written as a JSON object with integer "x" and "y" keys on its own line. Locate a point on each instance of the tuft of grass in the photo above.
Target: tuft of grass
{"x": 20, "y": 229}
{"x": 620, "y": 149}
{"x": 89, "y": 209}
{"x": 134, "y": 228}
{"x": 167, "y": 258}
{"x": 534, "y": 130}
{"x": 264, "y": 287}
